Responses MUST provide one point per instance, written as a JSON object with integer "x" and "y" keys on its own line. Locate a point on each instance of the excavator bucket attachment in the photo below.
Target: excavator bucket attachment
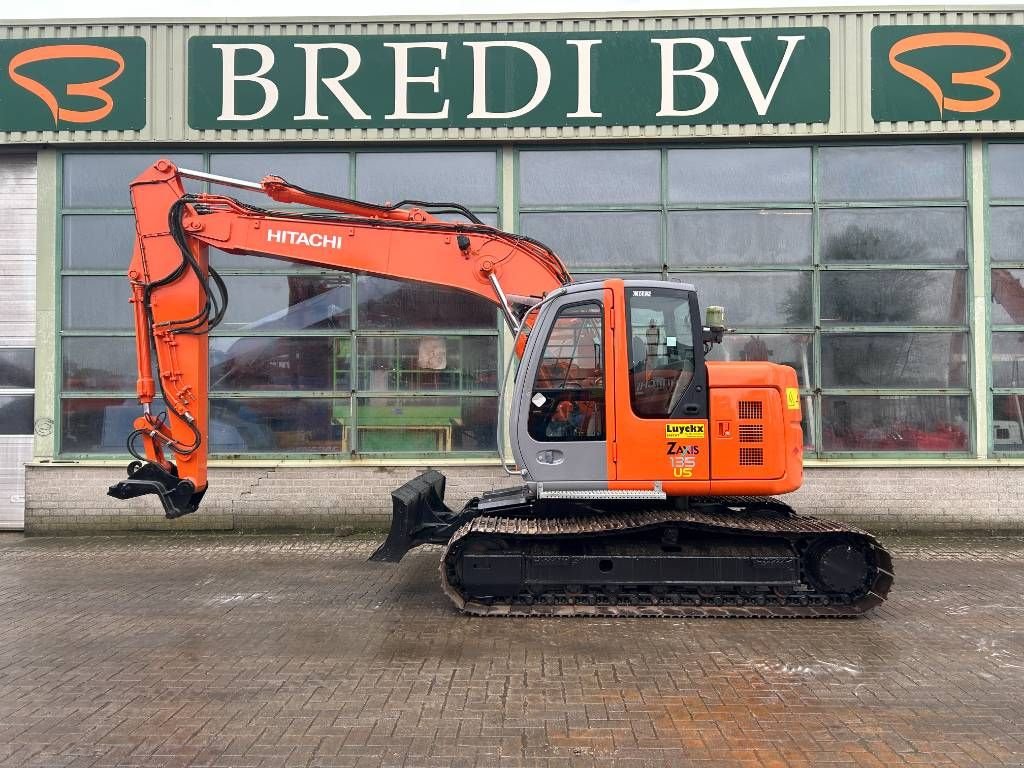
{"x": 178, "y": 497}
{"x": 419, "y": 516}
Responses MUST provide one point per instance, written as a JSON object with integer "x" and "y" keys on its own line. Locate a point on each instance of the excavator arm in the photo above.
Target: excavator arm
{"x": 177, "y": 298}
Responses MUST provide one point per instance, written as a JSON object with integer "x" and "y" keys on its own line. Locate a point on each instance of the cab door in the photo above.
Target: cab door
{"x": 560, "y": 410}
{"x": 661, "y": 418}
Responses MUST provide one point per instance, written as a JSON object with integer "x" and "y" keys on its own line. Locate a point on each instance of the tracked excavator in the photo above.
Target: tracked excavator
{"x": 645, "y": 476}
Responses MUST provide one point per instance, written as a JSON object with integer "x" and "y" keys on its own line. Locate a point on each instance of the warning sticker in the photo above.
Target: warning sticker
{"x": 793, "y": 398}
{"x": 687, "y": 429}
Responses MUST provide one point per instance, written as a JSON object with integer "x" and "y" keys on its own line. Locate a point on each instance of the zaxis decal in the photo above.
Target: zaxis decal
{"x": 81, "y": 84}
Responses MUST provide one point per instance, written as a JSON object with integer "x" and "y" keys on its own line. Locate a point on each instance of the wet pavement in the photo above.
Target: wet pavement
{"x": 292, "y": 650}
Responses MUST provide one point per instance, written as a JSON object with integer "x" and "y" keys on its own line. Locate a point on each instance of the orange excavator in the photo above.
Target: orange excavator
{"x": 644, "y": 474}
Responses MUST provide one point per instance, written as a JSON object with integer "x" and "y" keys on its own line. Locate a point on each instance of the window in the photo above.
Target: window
{"x": 661, "y": 355}
{"x": 1006, "y": 284}
{"x": 846, "y": 262}
{"x": 306, "y": 361}
{"x": 567, "y": 401}
{"x": 17, "y": 379}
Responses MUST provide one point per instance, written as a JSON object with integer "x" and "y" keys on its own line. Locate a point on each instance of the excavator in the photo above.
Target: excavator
{"x": 644, "y": 478}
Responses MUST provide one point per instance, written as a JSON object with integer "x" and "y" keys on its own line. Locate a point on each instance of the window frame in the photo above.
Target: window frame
{"x": 603, "y": 436}
{"x": 991, "y": 202}
{"x": 11, "y": 391}
{"x": 354, "y": 332}
{"x": 812, "y": 393}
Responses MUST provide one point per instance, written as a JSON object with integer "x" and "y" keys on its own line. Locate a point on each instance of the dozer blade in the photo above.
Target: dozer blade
{"x": 419, "y": 516}
{"x": 178, "y": 497}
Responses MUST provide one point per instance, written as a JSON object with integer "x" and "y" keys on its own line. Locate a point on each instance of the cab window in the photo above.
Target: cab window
{"x": 661, "y": 354}
{"x": 567, "y": 399}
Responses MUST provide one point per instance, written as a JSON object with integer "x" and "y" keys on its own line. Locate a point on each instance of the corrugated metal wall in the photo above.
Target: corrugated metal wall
{"x": 850, "y": 74}
{"x": 17, "y": 250}
{"x": 17, "y": 312}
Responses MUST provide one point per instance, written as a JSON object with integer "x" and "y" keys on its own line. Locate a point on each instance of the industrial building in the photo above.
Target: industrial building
{"x": 847, "y": 184}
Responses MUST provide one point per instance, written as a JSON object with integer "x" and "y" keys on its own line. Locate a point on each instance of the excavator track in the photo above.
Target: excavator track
{"x": 722, "y": 557}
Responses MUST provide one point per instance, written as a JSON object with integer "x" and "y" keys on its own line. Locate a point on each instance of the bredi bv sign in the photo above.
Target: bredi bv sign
{"x": 918, "y": 73}
{"x": 529, "y": 79}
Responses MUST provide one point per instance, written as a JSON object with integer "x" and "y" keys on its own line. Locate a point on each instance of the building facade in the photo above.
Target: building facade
{"x": 848, "y": 185}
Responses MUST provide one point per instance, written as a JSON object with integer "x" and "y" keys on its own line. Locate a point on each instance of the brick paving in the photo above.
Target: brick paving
{"x": 292, "y": 650}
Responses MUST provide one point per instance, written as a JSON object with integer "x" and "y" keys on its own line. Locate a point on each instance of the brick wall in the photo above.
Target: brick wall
{"x": 72, "y": 499}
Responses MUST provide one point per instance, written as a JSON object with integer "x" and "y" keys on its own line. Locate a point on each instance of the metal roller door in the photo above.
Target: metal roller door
{"x": 17, "y": 331}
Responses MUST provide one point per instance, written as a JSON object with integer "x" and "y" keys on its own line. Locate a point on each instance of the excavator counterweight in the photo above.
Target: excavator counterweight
{"x": 644, "y": 474}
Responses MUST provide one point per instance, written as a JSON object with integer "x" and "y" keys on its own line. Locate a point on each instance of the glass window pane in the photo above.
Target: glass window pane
{"x": 99, "y": 364}
{"x": 742, "y": 174}
{"x": 1006, "y": 234}
{"x": 1006, "y": 170}
{"x": 913, "y": 360}
{"x": 402, "y": 304}
{"x": 1008, "y": 422}
{"x": 17, "y": 367}
{"x": 98, "y": 180}
{"x": 292, "y": 302}
{"x": 490, "y": 219}
{"x": 467, "y": 178}
{"x": 1008, "y": 296}
{"x": 590, "y": 176}
{"x": 924, "y": 172}
{"x": 255, "y": 363}
{"x": 315, "y": 171}
{"x": 586, "y": 275}
{"x": 95, "y": 303}
{"x": 661, "y": 352}
{"x": 278, "y": 425}
{"x": 893, "y": 296}
{"x": 599, "y": 239}
{"x": 427, "y": 424}
{"x": 98, "y": 241}
{"x": 755, "y": 299}
{"x": 808, "y": 411}
{"x": 424, "y": 363}
{"x": 895, "y": 423}
{"x": 892, "y": 236}
{"x": 718, "y": 238}
{"x": 794, "y": 350}
{"x": 570, "y": 378}
{"x": 99, "y": 425}
{"x": 1008, "y": 359}
{"x": 16, "y": 414}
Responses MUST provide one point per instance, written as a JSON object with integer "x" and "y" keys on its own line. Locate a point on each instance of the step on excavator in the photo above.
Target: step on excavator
{"x": 645, "y": 476}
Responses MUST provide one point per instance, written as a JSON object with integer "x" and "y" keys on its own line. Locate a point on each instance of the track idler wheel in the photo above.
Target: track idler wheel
{"x": 843, "y": 566}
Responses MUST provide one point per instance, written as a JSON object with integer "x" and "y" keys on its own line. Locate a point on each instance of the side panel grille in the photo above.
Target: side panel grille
{"x": 749, "y": 409}
{"x": 751, "y": 433}
{"x": 751, "y": 457}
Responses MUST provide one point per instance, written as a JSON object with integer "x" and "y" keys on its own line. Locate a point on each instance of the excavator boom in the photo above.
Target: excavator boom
{"x": 178, "y": 298}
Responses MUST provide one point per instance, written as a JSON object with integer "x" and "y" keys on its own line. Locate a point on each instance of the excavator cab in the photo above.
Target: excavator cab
{"x": 608, "y": 363}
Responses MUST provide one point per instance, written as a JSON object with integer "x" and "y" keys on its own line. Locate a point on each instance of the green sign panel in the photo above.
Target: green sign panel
{"x": 947, "y": 73}
{"x": 73, "y": 84}
{"x": 539, "y": 79}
